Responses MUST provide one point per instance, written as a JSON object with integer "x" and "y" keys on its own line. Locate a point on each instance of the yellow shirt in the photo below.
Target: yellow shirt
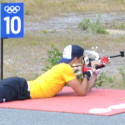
{"x": 52, "y": 81}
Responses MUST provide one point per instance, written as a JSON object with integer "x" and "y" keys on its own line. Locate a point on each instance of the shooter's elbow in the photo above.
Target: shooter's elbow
{"x": 82, "y": 93}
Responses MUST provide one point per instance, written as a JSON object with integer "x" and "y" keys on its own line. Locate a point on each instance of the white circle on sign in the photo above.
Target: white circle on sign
{"x": 99, "y": 110}
{"x": 121, "y": 106}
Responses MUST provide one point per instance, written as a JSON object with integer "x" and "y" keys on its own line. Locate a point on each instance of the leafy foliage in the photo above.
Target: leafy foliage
{"x": 94, "y": 28}
{"x": 102, "y": 79}
{"x": 53, "y": 57}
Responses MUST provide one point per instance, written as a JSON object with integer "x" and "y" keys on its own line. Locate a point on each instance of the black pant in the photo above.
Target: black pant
{"x": 13, "y": 88}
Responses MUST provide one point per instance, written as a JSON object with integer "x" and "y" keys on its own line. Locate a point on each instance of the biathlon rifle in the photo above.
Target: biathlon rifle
{"x": 94, "y": 63}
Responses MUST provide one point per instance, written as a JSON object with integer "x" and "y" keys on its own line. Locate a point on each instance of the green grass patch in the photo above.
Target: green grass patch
{"x": 53, "y": 57}
{"x": 120, "y": 26}
{"x": 122, "y": 73}
{"x": 116, "y": 25}
{"x": 44, "y": 31}
{"x": 102, "y": 79}
{"x": 111, "y": 81}
{"x": 95, "y": 28}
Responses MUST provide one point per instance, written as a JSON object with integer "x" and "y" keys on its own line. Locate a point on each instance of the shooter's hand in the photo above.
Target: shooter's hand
{"x": 87, "y": 71}
{"x": 77, "y": 68}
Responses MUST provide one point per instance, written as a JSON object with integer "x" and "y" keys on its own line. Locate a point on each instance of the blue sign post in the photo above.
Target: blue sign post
{"x": 11, "y": 23}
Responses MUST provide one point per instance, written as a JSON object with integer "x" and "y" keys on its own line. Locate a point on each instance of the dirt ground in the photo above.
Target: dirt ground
{"x": 24, "y": 57}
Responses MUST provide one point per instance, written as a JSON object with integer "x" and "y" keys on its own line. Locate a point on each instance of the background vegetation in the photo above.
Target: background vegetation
{"x": 32, "y": 55}
{"x": 53, "y": 7}
{"x": 104, "y": 80}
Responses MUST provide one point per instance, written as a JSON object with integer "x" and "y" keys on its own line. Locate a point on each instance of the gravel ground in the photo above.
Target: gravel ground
{"x": 71, "y": 21}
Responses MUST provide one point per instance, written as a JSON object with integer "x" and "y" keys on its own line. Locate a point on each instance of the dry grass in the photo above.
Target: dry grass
{"x": 53, "y": 7}
{"x": 48, "y": 8}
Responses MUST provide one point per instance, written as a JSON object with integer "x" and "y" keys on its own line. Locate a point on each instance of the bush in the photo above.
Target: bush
{"x": 85, "y": 24}
{"x": 96, "y": 27}
{"x": 53, "y": 57}
{"x": 102, "y": 79}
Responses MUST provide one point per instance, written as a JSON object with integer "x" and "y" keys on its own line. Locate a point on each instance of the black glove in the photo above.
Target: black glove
{"x": 87, "y": 74}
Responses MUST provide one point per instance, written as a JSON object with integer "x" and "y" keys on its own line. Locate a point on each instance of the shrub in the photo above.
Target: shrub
{"x": 44, "y": 31}
{"x": 102, "y": 79}
{"x": 85, "y": 24}
{"x": 96, "y": 27}
{"x": 53, "y": 57}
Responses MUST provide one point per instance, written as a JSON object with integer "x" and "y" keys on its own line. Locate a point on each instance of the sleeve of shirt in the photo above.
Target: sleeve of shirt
{"x": 68, "y": 74}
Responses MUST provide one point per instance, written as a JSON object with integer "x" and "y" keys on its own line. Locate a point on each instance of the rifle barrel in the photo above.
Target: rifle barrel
{"x": 114, "y": 56}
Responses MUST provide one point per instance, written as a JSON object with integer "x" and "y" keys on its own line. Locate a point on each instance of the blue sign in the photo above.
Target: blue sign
{"x": 12, "y": 20}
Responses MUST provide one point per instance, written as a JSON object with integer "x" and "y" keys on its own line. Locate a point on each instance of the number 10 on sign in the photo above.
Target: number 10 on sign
{"x": 10, "y": 23}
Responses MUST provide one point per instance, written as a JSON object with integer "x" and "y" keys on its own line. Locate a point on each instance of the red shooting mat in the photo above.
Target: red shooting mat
{"x": 98, "y": 102}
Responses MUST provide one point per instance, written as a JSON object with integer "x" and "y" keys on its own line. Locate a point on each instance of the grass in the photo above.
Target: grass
{"x": 95, "y": 28}
{"x": 111, "y": 81}
{"x": 49, "y": 8}
{"x": 122, "y": 73}
{"x": 118, "y": 25}
{"x": 44, "y": 31}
